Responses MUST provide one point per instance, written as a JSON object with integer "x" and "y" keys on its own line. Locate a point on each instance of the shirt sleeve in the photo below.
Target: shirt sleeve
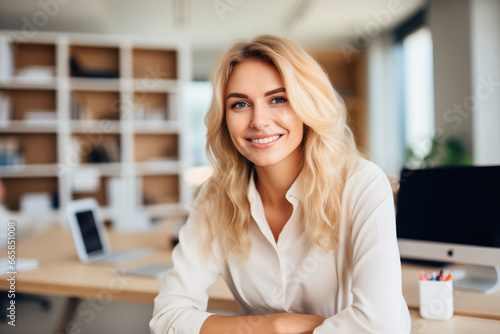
{"x": 378, "y": 305}
{"x": 180, "y": 307}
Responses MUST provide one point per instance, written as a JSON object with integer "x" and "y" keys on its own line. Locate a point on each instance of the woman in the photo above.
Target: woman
{"x": 297, "y": 223}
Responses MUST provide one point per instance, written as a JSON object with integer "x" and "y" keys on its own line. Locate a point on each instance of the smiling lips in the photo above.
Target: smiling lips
{"x": 264, "y": 142}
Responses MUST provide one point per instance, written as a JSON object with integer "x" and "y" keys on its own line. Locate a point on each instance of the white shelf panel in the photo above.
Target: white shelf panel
{"x": 99, "y": 126}
{"x": 158, "y": 167}
{"x": 155, "y": 85}
{"x": 105, "y": 169}
{"x": 28, "y": 126}
{"x": 26, "y": 83}
{"x": 162, "y": 127}
{"x": 94, "y": 84}
{"x": 40, "y": 170}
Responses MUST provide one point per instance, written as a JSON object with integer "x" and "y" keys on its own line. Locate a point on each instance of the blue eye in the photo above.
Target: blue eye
{"x": 239, "y": 105}
{"x": 278, "y": 100}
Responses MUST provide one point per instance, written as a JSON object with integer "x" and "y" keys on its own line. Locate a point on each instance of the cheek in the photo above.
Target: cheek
{"x": 234, "y": 127}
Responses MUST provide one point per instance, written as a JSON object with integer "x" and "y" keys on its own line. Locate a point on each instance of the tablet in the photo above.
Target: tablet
{"x": 87, "y": 227}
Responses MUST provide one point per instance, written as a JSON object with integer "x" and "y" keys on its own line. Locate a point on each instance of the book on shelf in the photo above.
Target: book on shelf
{"x": 36, "y": 73}
{"x": 10, "y": 151}
{"x": 5, "y": 109}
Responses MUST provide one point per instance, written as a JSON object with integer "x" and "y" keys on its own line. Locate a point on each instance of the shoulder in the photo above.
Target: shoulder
{"x": 366, "y": 179}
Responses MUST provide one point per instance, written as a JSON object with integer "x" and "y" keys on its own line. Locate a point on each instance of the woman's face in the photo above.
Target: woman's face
{"x": 262, "y": 124}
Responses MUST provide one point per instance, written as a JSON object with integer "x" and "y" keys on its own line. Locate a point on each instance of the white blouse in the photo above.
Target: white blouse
{"x": 356, "y": 287}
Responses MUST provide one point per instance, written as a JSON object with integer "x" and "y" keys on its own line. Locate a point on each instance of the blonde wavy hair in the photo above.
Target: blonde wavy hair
{"x": 328, "y": 148}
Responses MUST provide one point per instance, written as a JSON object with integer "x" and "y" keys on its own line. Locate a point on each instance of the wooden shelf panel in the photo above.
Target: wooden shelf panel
{"x": 19, "y": 186}
{"x": 28, "y": 55}
{"x": 100, "y": 195}
{"x": 155, "y": 147}
{"x": 154, "y": 64}
{"x": 23, "y": 101}
{"x": 34, "y": 148}
{"x": 160, "y": 189}
{"x": 95, "y": 105}
{"x": 93, "y": 61}
{"x": 150, "y": 106}
{"x": 98, "y": 148}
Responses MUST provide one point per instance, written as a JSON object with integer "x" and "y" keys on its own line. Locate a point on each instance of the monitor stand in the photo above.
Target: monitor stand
{"x": 475, "y": 277}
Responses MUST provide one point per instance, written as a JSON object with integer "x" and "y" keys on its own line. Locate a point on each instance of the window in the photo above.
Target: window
{"x": 417, "y": 89}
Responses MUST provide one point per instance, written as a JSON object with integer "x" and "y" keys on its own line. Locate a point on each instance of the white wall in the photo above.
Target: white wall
{"x": 485, "y": 41}
{"x": 449, "y": 21}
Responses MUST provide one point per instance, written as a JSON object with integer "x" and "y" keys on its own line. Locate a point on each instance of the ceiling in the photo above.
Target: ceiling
{"x": 210, "y": 25}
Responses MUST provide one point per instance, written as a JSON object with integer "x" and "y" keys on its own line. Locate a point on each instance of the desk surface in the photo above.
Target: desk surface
{"x": 61, "y": 273}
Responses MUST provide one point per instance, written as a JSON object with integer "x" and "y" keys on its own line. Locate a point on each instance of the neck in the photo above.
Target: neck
{"x": 274, "y": 181}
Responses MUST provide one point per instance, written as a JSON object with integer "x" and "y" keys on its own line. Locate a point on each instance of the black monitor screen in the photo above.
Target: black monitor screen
{"x": 459, "y": 205}
{"x": 89, "y": 231}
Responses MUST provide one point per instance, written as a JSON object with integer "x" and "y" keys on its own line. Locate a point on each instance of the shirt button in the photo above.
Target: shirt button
{"x": 277, "y": 292}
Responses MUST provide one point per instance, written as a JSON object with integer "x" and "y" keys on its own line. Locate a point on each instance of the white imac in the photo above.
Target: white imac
{"x": 452, "y": 214}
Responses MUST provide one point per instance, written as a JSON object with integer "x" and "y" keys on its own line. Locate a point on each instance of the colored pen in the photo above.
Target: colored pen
{"x": 441, "y": 277}
{"x": 448, "y": 277}
{"x": 424, "y": 275}
{"x": 434, "y": 277}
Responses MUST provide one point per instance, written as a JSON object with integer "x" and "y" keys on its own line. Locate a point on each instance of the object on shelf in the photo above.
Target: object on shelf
{"x": 85, "y": 180}
{"x": 78, "y": 111}
{"x": 10, "y": 151}
{"x": 5, "y": 109}
{"x": 36, "y": 73}
{"x": 124, "y": 198}
{"x": 124, "y": 192}
{"x": 6, "y": 61}
{"x": 98, "y": 154}
{"x": 144, "y": 113}
{"x": 36, "y": 203}
{"x": 78, "y": 70}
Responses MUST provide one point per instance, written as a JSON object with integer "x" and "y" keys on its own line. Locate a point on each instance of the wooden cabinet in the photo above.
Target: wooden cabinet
{"x": 111, "y": 105}
{"x": 348, "y": 77}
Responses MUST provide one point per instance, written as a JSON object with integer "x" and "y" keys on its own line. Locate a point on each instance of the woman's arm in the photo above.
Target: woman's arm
{"x": 181, "y": 304}
{"x": 378, "y": 305}
{"x": 280, "y": 323}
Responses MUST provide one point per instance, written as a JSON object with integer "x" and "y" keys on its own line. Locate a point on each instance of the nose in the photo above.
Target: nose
{"x": 261, "y": 117}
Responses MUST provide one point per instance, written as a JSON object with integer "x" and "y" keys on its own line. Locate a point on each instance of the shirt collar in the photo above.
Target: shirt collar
{"x": 292, "y": 194}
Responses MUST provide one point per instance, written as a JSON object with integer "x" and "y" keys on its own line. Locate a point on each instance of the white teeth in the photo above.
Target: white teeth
{"x": 265, "y": 140}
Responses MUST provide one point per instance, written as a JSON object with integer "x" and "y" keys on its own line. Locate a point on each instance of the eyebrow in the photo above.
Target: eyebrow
{"x": 243, "y": 96}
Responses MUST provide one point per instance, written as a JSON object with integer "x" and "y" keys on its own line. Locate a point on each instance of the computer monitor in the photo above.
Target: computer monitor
{"x": 452, "y": 214}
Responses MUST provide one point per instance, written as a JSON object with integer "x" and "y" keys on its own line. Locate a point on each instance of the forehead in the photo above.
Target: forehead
{"x": 254, "y": 75}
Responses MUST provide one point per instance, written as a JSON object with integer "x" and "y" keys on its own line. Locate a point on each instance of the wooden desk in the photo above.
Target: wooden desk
{"x": 61, "y": 273}
{"x": 464, "y": 302}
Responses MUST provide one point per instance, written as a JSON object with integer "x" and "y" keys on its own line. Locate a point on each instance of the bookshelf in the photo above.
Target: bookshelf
{"x": 78, "y": 111}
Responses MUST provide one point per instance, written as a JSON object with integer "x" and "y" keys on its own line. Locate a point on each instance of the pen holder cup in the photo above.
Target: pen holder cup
{"x": 436, "y": 299}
